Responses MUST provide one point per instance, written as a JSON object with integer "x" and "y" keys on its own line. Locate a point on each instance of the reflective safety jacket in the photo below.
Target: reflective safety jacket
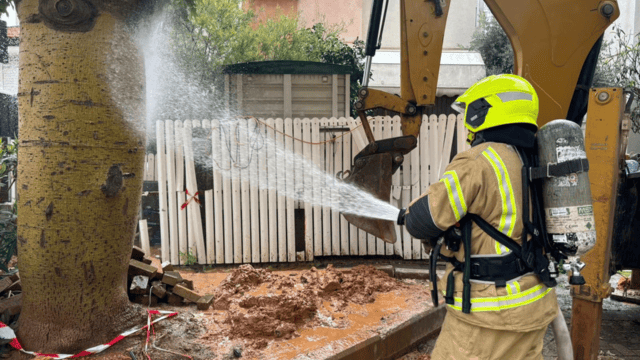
{"x": 484, "y": 180}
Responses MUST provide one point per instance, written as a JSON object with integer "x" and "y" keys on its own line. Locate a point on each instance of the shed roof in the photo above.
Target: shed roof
{"x": 287, "y": 67}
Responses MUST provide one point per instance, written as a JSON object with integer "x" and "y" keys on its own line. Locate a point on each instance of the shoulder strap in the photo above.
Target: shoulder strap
{"x": 497, "y": 235}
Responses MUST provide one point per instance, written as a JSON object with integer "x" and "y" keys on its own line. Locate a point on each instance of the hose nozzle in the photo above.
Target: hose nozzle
{"x": 401, "y": 216}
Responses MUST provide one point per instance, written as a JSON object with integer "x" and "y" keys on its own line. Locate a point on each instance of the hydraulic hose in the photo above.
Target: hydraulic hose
{"x": 562, "y": 336}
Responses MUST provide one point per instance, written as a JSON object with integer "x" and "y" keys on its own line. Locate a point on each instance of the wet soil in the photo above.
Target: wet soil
{"x": 264, "y": 314}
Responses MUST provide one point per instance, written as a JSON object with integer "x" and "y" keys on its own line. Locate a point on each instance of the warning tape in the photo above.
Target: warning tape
{"x": 194, "y": 198}
{"x": 7, "y": 333}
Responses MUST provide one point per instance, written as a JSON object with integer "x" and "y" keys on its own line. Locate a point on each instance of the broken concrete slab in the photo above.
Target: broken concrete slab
{"x": 147, "y": 261}
{"x": 137, "y": 253}
{"x": 175, "y": 300}
{"x": 145, "y": 300}
{"x": 139, "y": 285}
{"x": 205, "y": 302}
{"x": 389, "y": 269}
{"x": 12, "y": 305}
{"x": 5, "y": 283}
{"x": 187, "y": 283}
{"x": 409, "y": 273}
{"x": 186, "y": 293}
{"x": 139, "y": 268}
{"x": 159, "y": 289}
{"x": 166, "y": 266}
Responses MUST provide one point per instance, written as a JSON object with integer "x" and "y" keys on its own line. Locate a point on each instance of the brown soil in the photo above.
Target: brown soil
{"x": 264, "y": 314}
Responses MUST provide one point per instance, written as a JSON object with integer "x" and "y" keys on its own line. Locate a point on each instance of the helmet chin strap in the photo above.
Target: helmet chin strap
{"x": 471, "y": 137}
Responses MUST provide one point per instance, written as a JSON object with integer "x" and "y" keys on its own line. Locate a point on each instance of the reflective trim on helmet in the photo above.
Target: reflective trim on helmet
{"x": 508, "y": 218}
{"x": 454, "y": 191}
{"x": 514, "y": 95}
{"x": 504, "y": 302}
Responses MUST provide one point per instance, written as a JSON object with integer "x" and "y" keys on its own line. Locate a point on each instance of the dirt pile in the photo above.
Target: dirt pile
{"x": 263, "y": 305}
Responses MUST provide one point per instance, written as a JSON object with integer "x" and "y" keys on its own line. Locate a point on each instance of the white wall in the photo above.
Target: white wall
{"x": 12, "y": 17}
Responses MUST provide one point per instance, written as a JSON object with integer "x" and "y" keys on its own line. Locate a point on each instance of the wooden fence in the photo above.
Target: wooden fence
{"x": 246, "y": 223}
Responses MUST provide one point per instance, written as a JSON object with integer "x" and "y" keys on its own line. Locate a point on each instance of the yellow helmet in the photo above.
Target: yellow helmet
{"x": 498, "y": 100}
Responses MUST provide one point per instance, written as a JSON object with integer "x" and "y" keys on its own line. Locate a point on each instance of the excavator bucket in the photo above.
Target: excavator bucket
{"x": 372, "y": 171}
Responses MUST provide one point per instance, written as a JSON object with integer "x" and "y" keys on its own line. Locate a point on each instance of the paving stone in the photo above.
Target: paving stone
{"x": 171, "y": 278}
{"x": 139, "y": 285}
{"x": 186, "y": 293}
{"x": 174, "y": 299}
{"x": 166, "y": 266}
{"x": 146, "y": 300}
{"x": 137, "y": 253}
{"x": 5, "y": 283}
{"x": 205, "y": 302}
{"x": 187, "y": 283}
{"x": 139, "y": 268}
{"x": 622, "y": 349}
{"x": 389, "y": 269}
{"x": 408, "y": 273}
{"x": 159, "y": 289}
{"x": 147, "y": 261}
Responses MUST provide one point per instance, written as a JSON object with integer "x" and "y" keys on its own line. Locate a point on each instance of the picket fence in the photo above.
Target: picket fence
{"x": 247, "y": 224}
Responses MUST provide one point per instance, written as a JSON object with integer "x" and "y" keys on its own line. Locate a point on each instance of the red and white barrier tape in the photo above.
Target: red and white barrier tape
{"x": 8, "y": 334}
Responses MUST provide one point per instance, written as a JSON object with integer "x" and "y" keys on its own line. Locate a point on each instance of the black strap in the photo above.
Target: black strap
{"x": 497, "y": 235}
{"x": 561, "y": 169}
{"x": 466, "y": 274}
{"x": 432, "y": 271}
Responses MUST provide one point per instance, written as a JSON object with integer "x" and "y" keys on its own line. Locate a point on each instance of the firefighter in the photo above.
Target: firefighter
{"x": 501, "y": 310}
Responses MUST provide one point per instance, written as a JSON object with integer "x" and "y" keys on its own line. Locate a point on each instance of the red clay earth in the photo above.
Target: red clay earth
{"x": 264, "y": 314}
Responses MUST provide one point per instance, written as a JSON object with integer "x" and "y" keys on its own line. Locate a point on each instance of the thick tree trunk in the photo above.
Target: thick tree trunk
{"x": 81, "y": 155}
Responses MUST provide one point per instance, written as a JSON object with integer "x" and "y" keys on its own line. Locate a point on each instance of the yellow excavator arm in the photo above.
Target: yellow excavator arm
{"x": 556, "y": 45}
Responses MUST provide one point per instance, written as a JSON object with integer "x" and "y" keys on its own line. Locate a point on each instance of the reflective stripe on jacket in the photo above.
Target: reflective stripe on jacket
{"x": 486, "y": 180}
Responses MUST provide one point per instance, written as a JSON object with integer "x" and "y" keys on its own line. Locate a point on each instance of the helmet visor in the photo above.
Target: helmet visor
{"x": 460, "y": 107}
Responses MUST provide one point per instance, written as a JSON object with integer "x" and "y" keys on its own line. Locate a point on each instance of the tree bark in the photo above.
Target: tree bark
{"x": 82, "y": 148}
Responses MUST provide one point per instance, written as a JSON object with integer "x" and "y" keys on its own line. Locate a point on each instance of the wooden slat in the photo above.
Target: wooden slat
{"x": 448, "y": 141}
{"x": 287, "y": 96}
{"x": 171, "y": 192}
{"x": 347, "y": 98}
{"x": 396, "y": 190}
{"x": 144, "y": 236}
{"x": 243, "y": 163}
{"x": 308, "y": 209}
{"x": 236, "y": 190}
{"x": 377, "y": 133}
{"x": 386, "y": 134}
{"x": 345, "y": 147}
{"x": 264, "y": 196}
{"x": 255, "y": 138}
{"x": 461, "y": 134}
{"x": 334, "y": 95}
{"x": 406, "y": 198}
{"x": 180, "y": 195}
{"x": 183, "y": 239}
{"x": 194, "y": 208}
{"x": 290, "y": 184}
{"x": 218, "y": 213}
{"x": 299, "y": 175}
{"x": 434, "y": 149}
{"x": 177, "y": 129}
{"x": 227, "y": 204}
{"x": 282, "y": 206}
{"x": 326, "y": 188}
{"x": 317, "y": 154}
{"x": 208, "y": 213}
{"x": 425, "y": 162}
{"x": 415, "y": 193}
{"x": 162, "y": 193}
{"x": 273, "y": 199}
{"x": 337, "y": 166}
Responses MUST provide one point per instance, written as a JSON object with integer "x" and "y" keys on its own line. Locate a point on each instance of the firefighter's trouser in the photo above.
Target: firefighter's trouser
{"x": 459, "y": 340}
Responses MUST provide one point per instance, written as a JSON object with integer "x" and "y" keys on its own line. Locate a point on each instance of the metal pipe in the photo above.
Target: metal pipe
{"x": 367, "y": 70}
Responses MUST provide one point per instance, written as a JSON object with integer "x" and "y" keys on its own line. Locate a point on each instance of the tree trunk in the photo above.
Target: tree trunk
{"x": 81, "y": 156}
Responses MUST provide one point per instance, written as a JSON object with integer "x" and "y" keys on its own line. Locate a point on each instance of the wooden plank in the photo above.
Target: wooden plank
{"x": 181, "y": 198}
{"x": 282, "y": 206}
{"x": 254, "y": 137}
{"x": 236, "y": 190}
{"x": 307, "y": 150}
{"x": 290, "y": 185}
{"x": 217, "y": 192}
{"x": 317, "y": 154}
{"x": 177, "y": 128}
{"x": 396, "y": 190}
{"x": 415, "y": 193}
{"x": 194, "y": 207}
{"x": 144, "y": 236}
{"x": 406, "y": 199}
{"x": 287, "y": 98}
{"x": 461, "y": 133}
{"x": 298, "y": 176}
{"x": 425, "y": 162}
{"x": 377, "y": 133}
{"x": 171, "y": 192}
{"x": 355, "y": 149}
{"x": 226, "y": 99}
{"x": 334, "y": 96}
{"x": 208, "y": 211}
{"x": 434, "y": 149}
{"x": 345, "y": 149}
{"x": 227, "y": 204}
{"x": 264, "y": 196}
{"x": 386, "y": 134}
{"x": 243, "y": 163}
{"x": 273, "y": 199}
{"x": 358, "y": 136}
{"x": 162, "y": 193}
{"x": 347, "y": 97}
{"x": 239, "y": 95}
{"x": 327, "y": 158}
{"x": 337, "y": 166}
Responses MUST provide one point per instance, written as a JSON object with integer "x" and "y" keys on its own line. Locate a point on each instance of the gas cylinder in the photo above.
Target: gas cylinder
{"x": 566, "y": 199}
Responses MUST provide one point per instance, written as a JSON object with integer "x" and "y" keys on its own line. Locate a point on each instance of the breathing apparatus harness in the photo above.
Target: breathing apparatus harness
{"x": 537, "y": 254}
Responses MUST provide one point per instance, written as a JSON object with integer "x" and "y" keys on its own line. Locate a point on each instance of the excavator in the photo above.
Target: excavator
{"x": 556, "y": 45}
